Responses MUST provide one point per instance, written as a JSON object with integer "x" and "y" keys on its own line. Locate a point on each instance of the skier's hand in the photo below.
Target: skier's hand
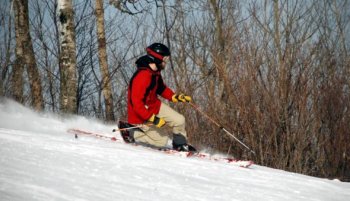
{"x": 157, "y": 121}
{"x": 181, "y": 97}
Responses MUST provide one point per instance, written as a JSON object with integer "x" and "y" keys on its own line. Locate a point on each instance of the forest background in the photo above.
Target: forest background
{"x": 274, "y": 73}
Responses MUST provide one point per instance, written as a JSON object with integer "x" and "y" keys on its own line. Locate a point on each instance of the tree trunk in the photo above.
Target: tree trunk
{"x": 68, "y": 79}
{"x": 33, "y": 72}
{"x": 5, "y": 67}
{"x": 25, "y": 56}
{"x": 102, "y": 58}
{"x": 219, "y": 54}
{"x": 18, "y": 67}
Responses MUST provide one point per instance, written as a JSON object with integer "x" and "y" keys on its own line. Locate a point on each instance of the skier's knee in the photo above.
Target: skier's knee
{"x": 181, "y": 120}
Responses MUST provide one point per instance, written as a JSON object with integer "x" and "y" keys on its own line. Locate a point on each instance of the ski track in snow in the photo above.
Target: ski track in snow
{"x": 41, "y": 161}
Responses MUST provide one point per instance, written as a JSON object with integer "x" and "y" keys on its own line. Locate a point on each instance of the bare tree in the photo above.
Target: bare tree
{"x": 218, "y": 54}
{"x": 43, "y": 26}
{"x": 102, "y": 57}
{"x": 6, "y": 51}
{"x": 25, "y": 56}
{"x": 68, "y": 78}
{"x": 18, "y": 68}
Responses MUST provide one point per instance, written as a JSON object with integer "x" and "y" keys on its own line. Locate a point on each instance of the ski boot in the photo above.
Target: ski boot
{"x": 180, "y": 144}
{"x": 126, "y": 134}
{"x": 185, "y": 147}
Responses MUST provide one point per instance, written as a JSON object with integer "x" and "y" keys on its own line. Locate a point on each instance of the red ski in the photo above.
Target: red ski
{"x": 206, "y": 156}
{"x": 77, "y": 132}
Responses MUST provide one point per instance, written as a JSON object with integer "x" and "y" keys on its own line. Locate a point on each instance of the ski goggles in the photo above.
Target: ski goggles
{"x": 157, "y": 55}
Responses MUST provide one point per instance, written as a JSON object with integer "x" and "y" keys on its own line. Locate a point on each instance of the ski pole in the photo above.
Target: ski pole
{"x": 124, "y": 129}
{"x": 221, "y": 127}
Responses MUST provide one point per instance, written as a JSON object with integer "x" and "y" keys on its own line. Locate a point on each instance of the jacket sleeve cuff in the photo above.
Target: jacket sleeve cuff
{"x": 168, "y": 94}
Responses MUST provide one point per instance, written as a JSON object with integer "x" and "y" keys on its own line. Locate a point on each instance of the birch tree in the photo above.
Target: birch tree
{"x": 67, "y": 64}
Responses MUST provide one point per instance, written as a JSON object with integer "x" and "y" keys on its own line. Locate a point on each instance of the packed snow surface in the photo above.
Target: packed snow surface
{"x": 39, "y": 160}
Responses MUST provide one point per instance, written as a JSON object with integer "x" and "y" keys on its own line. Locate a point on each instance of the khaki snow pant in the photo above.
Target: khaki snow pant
{"x": 158, "y": 137}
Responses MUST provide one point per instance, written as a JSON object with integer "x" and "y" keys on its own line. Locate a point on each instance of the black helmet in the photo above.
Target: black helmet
{"x": 158, "y": 51}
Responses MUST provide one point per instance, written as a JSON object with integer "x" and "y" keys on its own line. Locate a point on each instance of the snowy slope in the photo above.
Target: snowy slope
{"x": 39, "y": 160}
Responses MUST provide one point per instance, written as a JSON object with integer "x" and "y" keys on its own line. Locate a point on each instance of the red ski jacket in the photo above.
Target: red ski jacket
{"x": 143, "y": 91}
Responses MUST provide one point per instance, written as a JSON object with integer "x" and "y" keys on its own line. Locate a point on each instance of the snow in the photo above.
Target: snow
{"x": 39, "y": 160}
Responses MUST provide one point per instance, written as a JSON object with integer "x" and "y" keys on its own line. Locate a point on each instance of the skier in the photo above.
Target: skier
{"x": 147, "y": 111}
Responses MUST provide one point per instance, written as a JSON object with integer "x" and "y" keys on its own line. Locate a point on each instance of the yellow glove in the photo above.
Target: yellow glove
{"x": 157, "y": 121}
{"x": 181, "y": 97}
